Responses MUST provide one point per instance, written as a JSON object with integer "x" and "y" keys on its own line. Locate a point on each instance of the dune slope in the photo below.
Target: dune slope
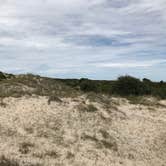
{"x": 81, "y": 132}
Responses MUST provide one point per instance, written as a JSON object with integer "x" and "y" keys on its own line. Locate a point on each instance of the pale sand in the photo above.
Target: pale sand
{"x": 59, "y": 134}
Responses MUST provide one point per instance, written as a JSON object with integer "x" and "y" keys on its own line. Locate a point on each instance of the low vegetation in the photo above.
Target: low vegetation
{"x": 21, "y": 85}
{"x": 91, "y": 108}
{"x": 4, "y": 161}
{"x": 54, "y": 98}
{"x": 48, "y": 126}
{"x": 125, "y": 86}
{"x": 86, "y": 107}
{"x": 25, "y": 147}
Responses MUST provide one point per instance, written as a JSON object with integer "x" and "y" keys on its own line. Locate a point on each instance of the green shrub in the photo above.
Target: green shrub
{"x": 87, "y": 85}
{"x": 20, "y": 85}
{"x": 2, "y": 76}
{"x": 127, "y": 85}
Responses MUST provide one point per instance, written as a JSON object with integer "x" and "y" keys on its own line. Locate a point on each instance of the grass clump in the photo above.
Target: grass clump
{"x": 2, "y": 103}
{"x": 87, "y": 108}
{"x": 54, "y": 98}
{"x": 99, "y": 98}
{"x": 91, "y": 108}
{"x": 4, "y": 161}
{"x": 70, "y": 155}
{"x": 25, "y": 147}
{"x": 52, "y": 154}
{"x": 108, "y": 141}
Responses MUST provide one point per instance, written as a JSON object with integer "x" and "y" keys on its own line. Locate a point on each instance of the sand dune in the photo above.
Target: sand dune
{"x": 73, "y": 133}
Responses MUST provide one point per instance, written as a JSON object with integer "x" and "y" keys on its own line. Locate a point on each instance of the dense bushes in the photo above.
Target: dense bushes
{"x": 124, "y": 86}
{"x": 88, "y": 85}
{"x": 127, "y": 85}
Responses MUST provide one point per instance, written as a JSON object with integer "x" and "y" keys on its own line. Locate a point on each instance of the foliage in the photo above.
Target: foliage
{"x": 127, "y": 85}
{"x": 123, "y": 86}
{"x": 87, "y": 85}
{"x": 2, "y": 76}
{"x": 29, "y": 84}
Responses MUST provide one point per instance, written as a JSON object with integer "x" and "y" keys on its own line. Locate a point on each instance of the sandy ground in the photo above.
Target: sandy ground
{"x": 34, "y": 133}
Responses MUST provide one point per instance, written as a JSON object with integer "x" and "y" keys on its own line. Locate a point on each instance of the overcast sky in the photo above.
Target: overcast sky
{"x": 98, "y": 39}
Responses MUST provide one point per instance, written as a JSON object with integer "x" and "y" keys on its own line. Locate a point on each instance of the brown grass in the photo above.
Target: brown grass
{"x": 4, "y": 161}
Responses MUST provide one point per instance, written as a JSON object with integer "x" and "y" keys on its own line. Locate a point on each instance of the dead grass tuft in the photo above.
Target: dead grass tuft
{"x": 146, "y": 101}
{"x": 25, "y": 147}
{"x": 52, "y": 154}
{"x": 87, "y": 108}
{"x": 54, "y": 98}
{"x": 4, "y": 161}
{"x": 2, "y": 103}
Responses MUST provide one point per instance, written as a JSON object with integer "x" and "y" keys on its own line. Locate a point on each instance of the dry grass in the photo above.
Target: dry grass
{"x": 2, "y": 103}
{"x": 25, "y": 147}
{"x": 34, "y": 133}
{"x": 4, "y": 161}
{"x": 54, "y": 98}
{"x": 29, "y": 84}
{"x": 87, "y": 108}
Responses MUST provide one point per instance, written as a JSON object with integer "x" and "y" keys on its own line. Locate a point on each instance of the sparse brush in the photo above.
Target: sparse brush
{"x": 2, "y": 103}
{"x": 54, "y": 99}
{"x": 4, "y": 161}
{"x": 99, "y": 98}
{"x": 91, "y": 108}
{"x": 87, "y": 108}
{"x": 145, "y": 100}
{"x": 70, "y": 155}
{"x": 52, "y": 154}
{"x": 25, "y": 147}
{"x": 30, "y": 84}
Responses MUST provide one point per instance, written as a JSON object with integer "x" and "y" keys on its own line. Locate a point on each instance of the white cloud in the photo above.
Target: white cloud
{"x": 56, "y": 33}
{"x": 132, "y": 64}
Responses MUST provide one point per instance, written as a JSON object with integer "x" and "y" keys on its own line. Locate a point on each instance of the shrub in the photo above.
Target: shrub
{"x": 127, "y": 85}
{"x": 160, "y": 92}
{"x": 2, "y": 76}
{"x": 88, "y": 85}
{"x": 146, "y": 80}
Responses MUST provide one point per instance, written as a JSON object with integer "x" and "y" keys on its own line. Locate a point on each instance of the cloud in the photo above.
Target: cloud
{"x": 68, "y": 35}
{"x": 132, "y": 64}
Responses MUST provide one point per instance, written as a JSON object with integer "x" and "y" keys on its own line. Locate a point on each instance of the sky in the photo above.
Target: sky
{"x": 96, "y": 39}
